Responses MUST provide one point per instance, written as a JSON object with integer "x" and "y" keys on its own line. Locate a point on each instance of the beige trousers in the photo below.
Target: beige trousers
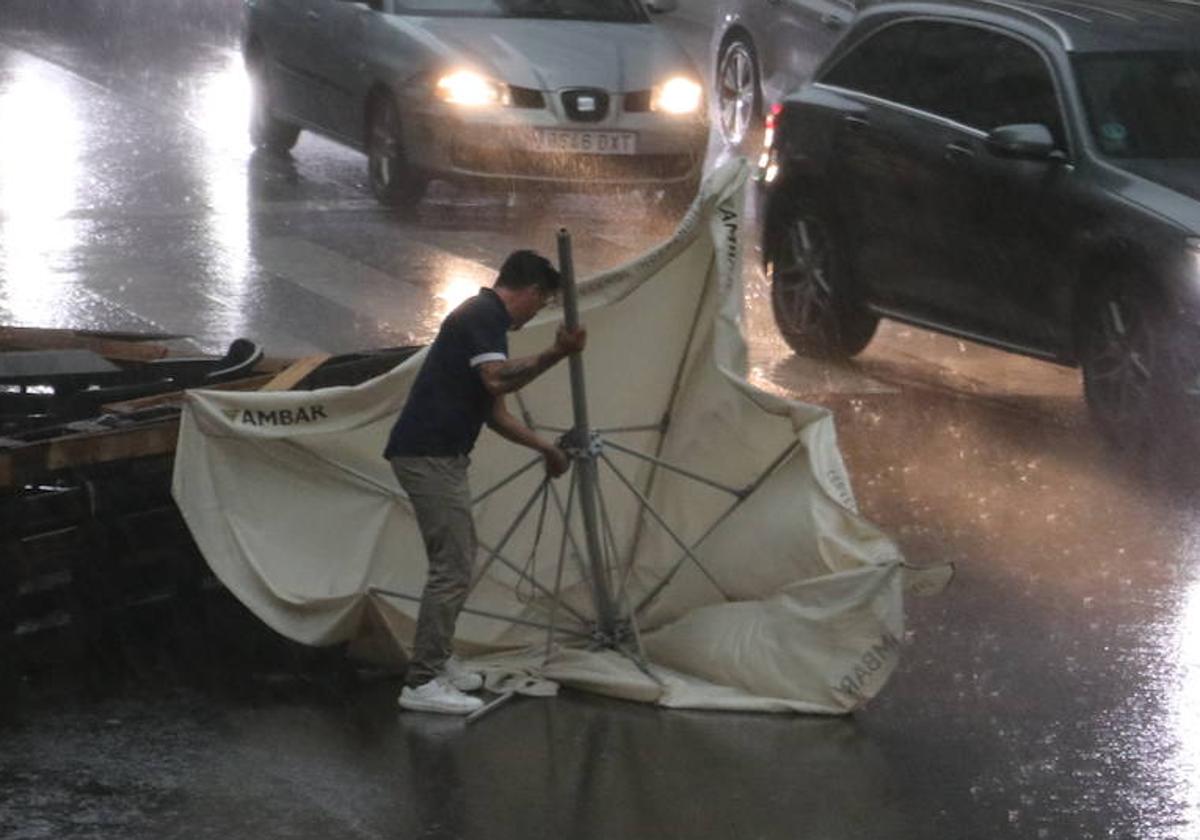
{"x": 441, "y": 499}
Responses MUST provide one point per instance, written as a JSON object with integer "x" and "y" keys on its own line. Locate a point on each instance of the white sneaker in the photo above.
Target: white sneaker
{"x": 460, "y": 677}
{"x": 438, "y": 695}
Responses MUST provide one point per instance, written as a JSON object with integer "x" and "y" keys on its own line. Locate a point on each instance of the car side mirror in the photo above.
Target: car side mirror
{"x": 661, "y": 7}
{"x": 1023, "y": 141}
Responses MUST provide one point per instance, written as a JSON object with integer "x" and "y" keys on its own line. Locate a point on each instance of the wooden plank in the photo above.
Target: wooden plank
{"x": 31, "y": 462}
{"x": 34, "y": 461}
{"x": 250, "y": 383}
{"x": 274, "y": 364}
{"x": 32, "y": 338}
{"x": 99, "y": 448}
{"x": 142, "y": 403}
{"x": 295, "y": 372}
{"x": 124, "y": 335}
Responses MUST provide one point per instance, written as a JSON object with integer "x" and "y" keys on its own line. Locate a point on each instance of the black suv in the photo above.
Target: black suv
{"x": 1026, "y": 175}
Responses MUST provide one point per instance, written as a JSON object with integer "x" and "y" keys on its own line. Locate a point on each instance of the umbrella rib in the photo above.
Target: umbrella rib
{"x": 530, "y": 570}
{"x": 676, "y": 384}
{"x": 391, "y": 593}
{"x": 613, "y": 430}
{"x": 505, "y": 482}
{"x": 540, "y": 587}
{"x": 622, "y": 593}
{"x": 662, "y": 584}
{"x": 570, "y": 534}
{"x": 494, "y": 553}
{"x": 666, "y": 465}
{"x": 646, "y": 506}
{"x": 562, "y": 559}
{"x": 609, "y": 537}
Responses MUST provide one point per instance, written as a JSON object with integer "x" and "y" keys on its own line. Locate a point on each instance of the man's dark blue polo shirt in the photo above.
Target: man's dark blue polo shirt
{"x": 448, "y": 404}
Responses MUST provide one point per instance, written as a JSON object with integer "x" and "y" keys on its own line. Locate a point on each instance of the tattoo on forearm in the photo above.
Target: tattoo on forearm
{"x": 517, "y": 373}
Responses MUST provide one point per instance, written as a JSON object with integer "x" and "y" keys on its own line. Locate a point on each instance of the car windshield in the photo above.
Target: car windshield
{"x": 609, "y": 11}
{"x": 1144, "y": 104}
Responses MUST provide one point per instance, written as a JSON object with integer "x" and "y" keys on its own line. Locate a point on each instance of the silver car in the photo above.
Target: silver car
{"x": 765, "y": 49}
{"x": 581, "y": 94}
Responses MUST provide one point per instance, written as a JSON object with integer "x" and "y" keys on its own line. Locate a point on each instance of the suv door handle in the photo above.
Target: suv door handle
{"x": 313, "y": 16}
{"x": 832, "y": 21}
{"x": 956, "y": 152}
{"x": 855, "y": 123}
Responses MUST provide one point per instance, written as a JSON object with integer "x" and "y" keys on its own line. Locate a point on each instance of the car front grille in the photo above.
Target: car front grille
{"x": 570, "y": 167}
{"x": 637, "y": 102}
{"x": 526, "y": 97}
{"x": 585, "y": 104}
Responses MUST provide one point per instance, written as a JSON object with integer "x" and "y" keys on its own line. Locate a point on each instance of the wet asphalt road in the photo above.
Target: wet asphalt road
{"x": 1050, "y": 692}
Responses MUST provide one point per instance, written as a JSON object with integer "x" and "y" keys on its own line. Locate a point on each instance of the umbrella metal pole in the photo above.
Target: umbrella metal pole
{"x": 585, "y": 462}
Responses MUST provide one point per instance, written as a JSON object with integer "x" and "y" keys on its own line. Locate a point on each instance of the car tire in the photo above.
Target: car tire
{"x": 812, "y": 294}
{"x": 393, "y": 181}
{"x": 739, "y": 98}
{"x": 1140, "y": 368}
{"x": 267, "y": 132}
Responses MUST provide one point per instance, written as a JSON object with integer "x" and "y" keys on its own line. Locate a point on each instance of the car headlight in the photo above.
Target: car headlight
{"x": 470, "y": 89}
{"x": 677, "y": 95}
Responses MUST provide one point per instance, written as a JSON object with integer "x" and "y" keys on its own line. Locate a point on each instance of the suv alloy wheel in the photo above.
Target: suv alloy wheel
{"x": 1119, "y": 357}
{"x": 810, "y": 295}
{"x": 1141, "y": 369}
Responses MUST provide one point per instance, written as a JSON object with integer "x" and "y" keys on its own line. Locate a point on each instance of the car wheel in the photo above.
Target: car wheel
{"x": 266, "y": 130}
{"x": 392, "y": 180}
{"x": 1139, "y": 368}
{"x": 739, "y": 95}
{"x": 811, "y": 294}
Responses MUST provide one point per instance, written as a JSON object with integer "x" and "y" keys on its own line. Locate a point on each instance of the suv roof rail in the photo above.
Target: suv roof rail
{"x": 1036, "y": 12}
{"x": 1133, "y": 13}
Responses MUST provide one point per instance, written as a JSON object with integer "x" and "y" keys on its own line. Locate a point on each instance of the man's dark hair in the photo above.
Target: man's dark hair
{"x": 528, "y": 268}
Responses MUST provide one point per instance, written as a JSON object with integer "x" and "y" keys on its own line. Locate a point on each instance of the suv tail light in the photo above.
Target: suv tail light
{"x": 768, "y": 165}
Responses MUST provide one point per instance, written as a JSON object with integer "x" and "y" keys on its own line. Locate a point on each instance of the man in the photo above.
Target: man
{"x": 461, "y": 386}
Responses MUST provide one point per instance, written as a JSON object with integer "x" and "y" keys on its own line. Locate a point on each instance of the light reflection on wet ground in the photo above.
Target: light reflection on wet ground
{"x": 1054, "y": 685}
{"x": 1063, "y": 650}
{"x": 39, "y": 177}
{"x": 585, "y": 768}
{"x": 1051, "y": 692}
{"x": 154, "y": 192}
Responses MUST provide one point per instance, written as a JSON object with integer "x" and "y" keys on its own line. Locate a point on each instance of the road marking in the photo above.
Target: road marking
{"x": 367, "y": 290}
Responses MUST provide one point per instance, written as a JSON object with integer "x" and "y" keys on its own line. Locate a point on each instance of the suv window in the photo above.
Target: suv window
{"x": 974, "y": 76}
{"x": 1143, "y": 104}
{"x": 1016, "y": 87}
{"x": 944, "y": 71}
{"x": 877, "y": 65}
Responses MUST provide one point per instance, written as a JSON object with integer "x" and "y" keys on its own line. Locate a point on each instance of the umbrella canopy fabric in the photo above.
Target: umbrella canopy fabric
{"x": 731, "y": 536}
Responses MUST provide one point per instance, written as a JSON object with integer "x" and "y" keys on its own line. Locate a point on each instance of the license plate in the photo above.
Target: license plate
{"x": 585, "y": 142}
